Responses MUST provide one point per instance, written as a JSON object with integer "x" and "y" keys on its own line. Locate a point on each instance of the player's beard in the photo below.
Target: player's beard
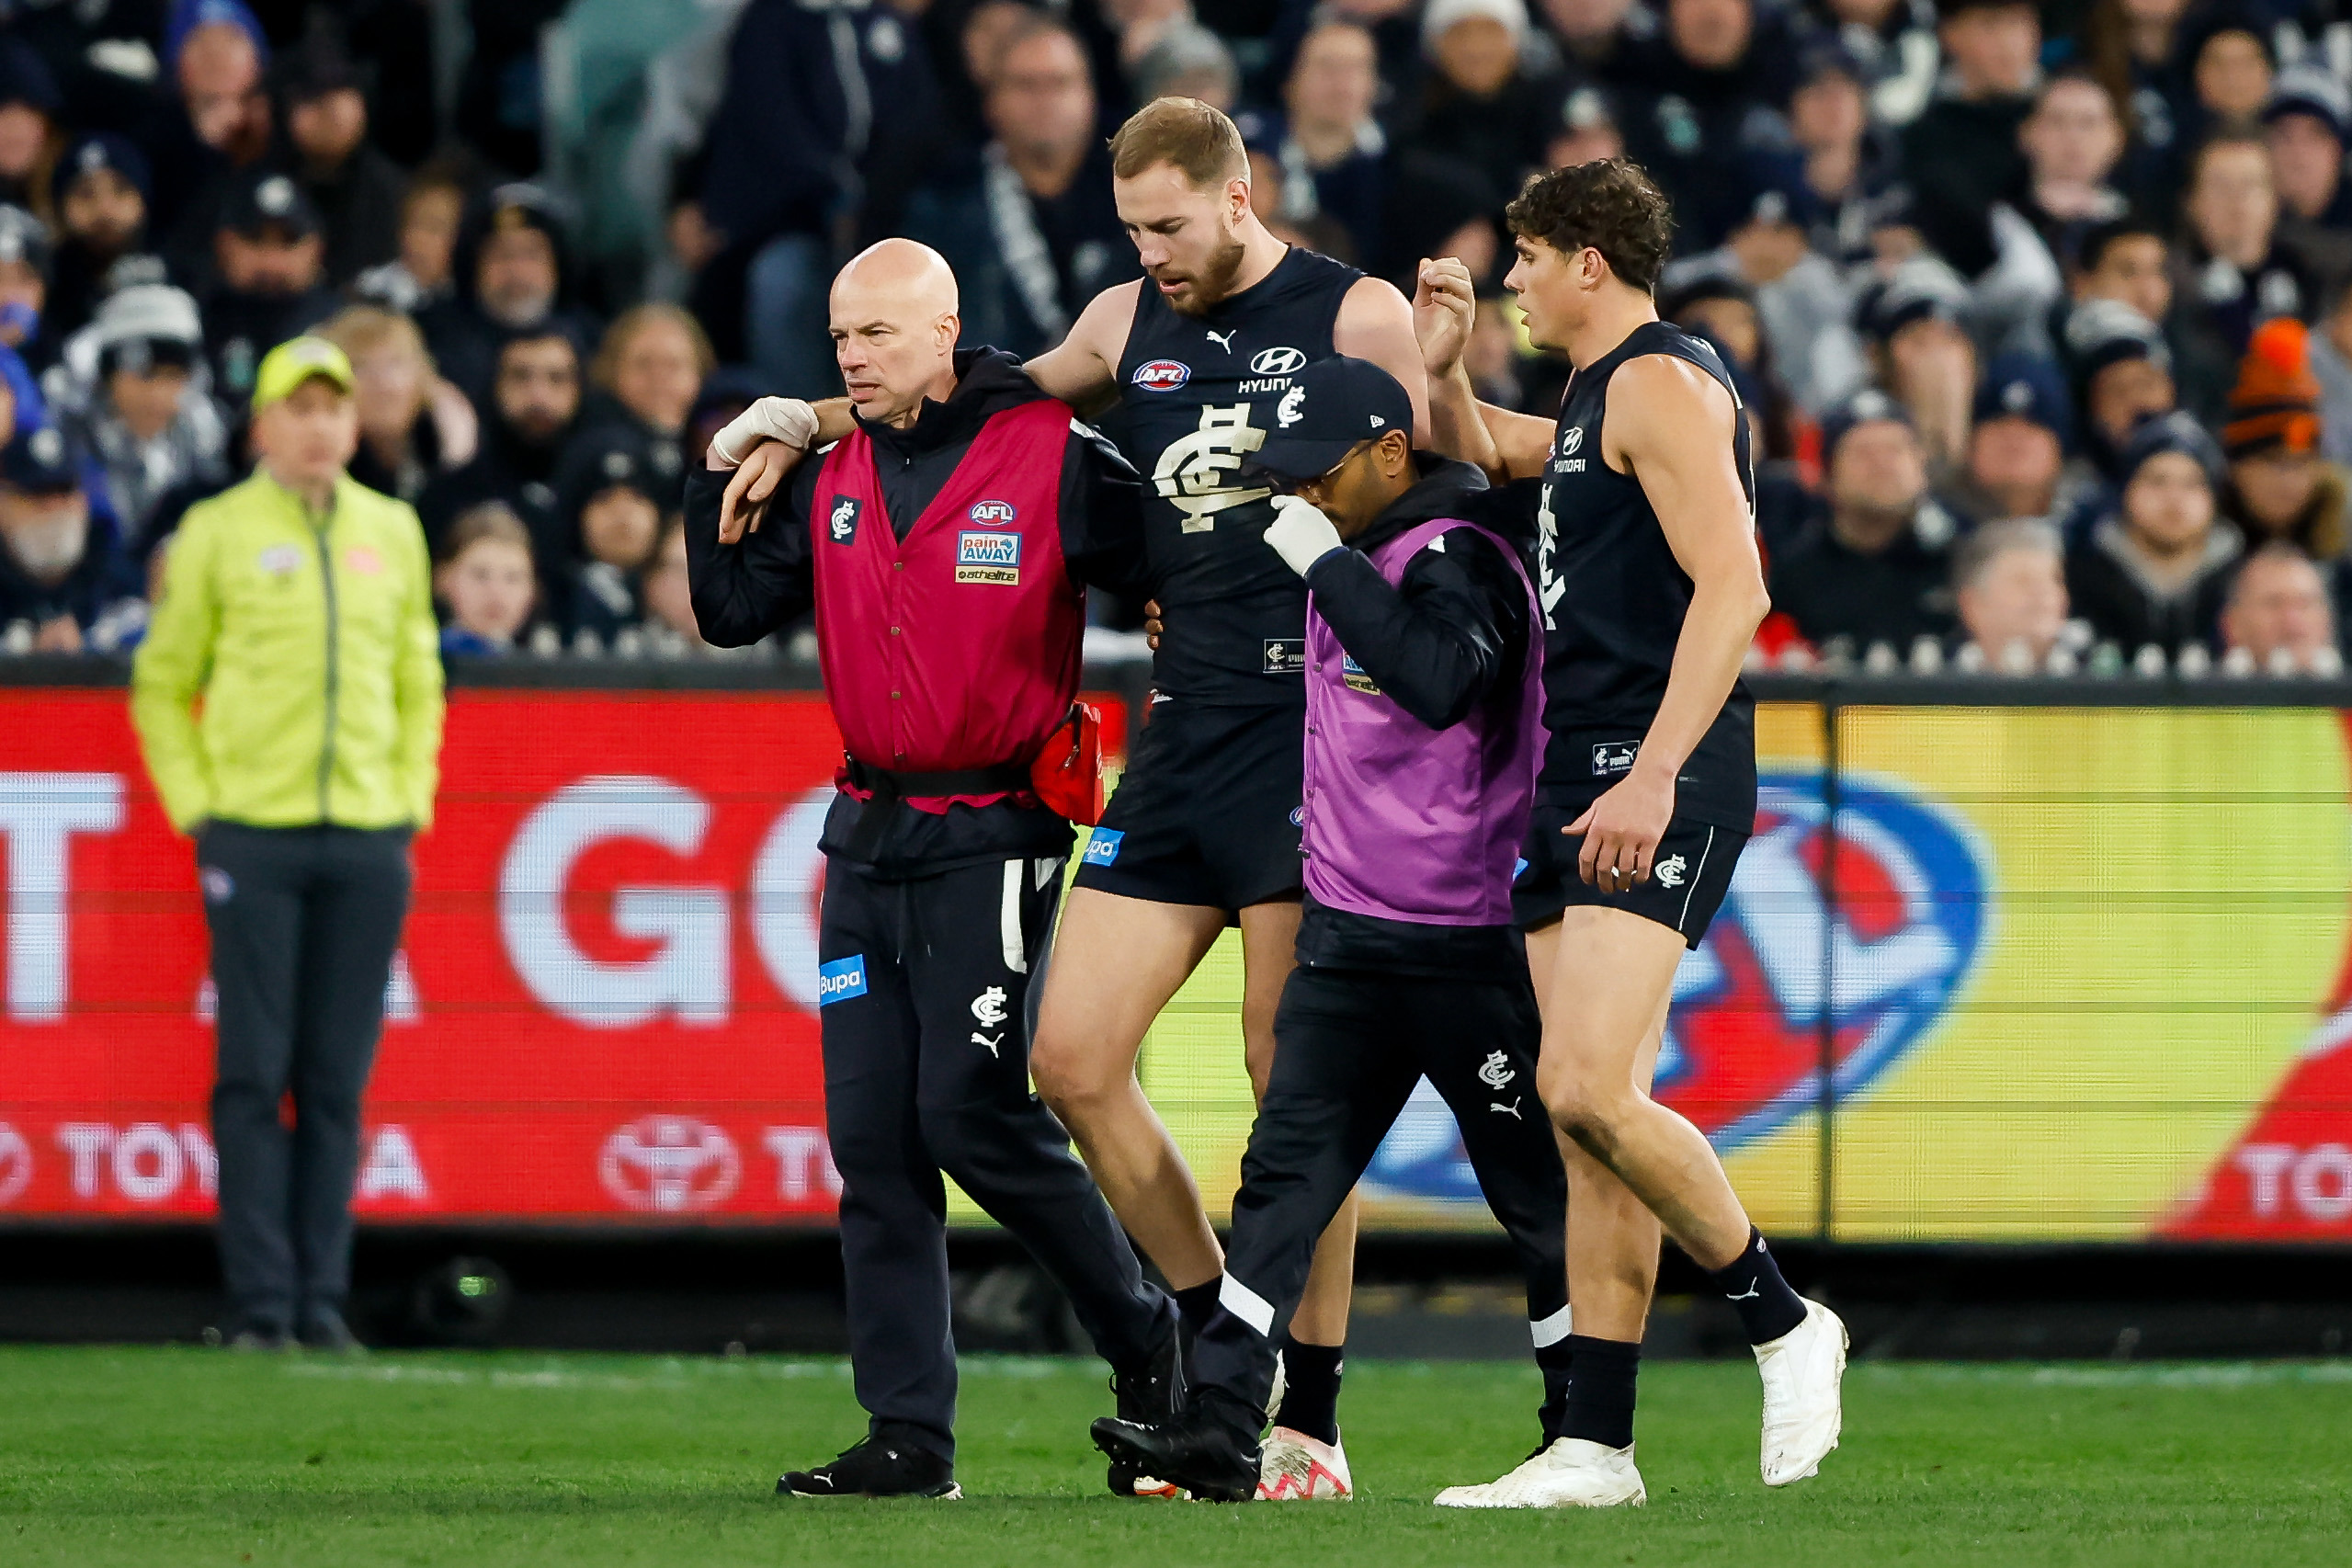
{"x": 1213, "y": 284}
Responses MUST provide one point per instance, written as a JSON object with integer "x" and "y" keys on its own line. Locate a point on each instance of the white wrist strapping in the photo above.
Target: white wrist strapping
{"x": 1299, "y": 534}
{"x": 785, "y": 419}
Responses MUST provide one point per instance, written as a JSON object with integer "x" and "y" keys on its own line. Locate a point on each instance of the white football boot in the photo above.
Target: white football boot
{"x": 1571, "y": 1473}
{"x": 1295, "y": 1468}
{"x": 1802, "y": 1414}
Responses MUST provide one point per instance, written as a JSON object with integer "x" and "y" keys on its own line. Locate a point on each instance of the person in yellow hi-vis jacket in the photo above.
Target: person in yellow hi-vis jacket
{"x": 297, "y": 610}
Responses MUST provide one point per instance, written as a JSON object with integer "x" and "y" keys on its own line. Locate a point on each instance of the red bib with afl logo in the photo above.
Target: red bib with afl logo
{"x": 957, "y": 647}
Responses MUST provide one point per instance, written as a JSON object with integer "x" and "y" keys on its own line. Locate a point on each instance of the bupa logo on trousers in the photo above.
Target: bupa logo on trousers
{"x": 988, "y": 556}
{"x": 841, "y": 979}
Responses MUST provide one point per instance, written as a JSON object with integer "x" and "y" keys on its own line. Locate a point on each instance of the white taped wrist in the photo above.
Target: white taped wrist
{"x": 785, "y": 419}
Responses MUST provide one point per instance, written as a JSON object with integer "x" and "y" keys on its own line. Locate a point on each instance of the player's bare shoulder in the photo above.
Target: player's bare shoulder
{"x": 1657, "y": 403}
{"x": 1085, "y": 368}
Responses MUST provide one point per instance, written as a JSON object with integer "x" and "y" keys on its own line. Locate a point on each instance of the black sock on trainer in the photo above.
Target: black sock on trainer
{"x": 1198, "y": 1303}
{"x": 1601, "y": 1373}
{"x": 1311, "y": 1389}
{"x": 1554, "y": 1360}
{"x": 1752, "y": 1283}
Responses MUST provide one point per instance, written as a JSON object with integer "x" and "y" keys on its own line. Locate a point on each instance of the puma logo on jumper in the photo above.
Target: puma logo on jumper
{"x": 1511, "y": 1110}
{"x": 991, "y": 1041}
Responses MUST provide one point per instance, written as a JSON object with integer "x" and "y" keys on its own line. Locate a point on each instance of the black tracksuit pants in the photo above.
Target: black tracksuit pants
{"x": 1349, "y": 1046}
{"x": 304, "y": 921}
{"x": 925, "y": 991}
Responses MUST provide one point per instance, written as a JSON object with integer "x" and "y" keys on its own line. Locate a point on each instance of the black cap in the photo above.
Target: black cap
{"x": 2025, "y": 386}
{"x": 261, "y": 200}
{"x": 612, "y": 456}
{"x": 318, "y": 66}
{"x": 101, "y": 150}
{"x": 36, "y": 461}
{"x": 1330, "y": 407}
{"x": 25, "y": 77}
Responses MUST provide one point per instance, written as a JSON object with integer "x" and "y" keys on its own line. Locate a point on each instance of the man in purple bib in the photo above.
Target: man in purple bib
{"x": 1423, "y": 736}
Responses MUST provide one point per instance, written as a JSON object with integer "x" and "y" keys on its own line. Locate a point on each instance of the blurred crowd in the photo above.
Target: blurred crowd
{"x": 2043, "y": 313}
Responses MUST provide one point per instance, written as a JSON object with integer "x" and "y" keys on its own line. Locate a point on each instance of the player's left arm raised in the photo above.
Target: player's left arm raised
{"x": 1671, "y": 427}
{"x": 1375, "y": 323}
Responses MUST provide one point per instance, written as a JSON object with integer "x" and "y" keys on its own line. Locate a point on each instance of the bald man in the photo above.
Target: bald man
{"x": 946, "y": 544}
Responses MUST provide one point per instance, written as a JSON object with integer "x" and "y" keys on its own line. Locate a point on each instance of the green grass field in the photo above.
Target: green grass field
{"x": 190, "y": 1457}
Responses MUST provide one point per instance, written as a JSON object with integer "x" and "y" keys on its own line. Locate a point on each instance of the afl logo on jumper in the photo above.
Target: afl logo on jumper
{"x": 986, "y": 513}
{"x": 988, "y": 556}
{"x": 843, "y": 523}
{"x": 1275, "y": 362}
{"x": 1161, "y": 375}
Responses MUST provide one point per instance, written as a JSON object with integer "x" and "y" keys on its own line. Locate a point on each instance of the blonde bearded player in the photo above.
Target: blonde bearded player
{"x": 1202, "y": 833}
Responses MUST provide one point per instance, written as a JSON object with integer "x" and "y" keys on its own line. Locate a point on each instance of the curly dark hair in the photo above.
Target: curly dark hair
{"x": 1611, "y": 205}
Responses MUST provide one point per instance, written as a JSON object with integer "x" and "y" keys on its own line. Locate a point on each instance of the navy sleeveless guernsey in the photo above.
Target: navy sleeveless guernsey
{"x": 1614, "y": 598}
{"x": 1200, "y": 395}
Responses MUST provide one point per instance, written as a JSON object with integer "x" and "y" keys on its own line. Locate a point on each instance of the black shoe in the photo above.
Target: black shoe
{"x": 1150, "y": 1393}
{"x": 324, "y": 1330}
{"x": 1211, "y": 1450}
{"x": 881, "y": 1466}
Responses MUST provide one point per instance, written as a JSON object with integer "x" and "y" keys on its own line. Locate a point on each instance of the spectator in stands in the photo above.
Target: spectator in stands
{"x": 1331, "y": 149}
{"x": 419, "y": 275}
{"x": 2073, "y": 141}
{"x": 355, "y": 187}
{"x": 413, "y": 424}
{"x": 2017, "y": 448}
{"x": 147, "y": 422}
{"x": 1587, "y": 130}
{"x": 485, "y": 582}
{"x": 2152, "y": 573}
{"x": 2332, "y": 363}
{"x": 511, "y": 273}
{"x": 28, "y": 103}
{"x": 1922, "y": 355}
{"x": 1893, "y": 43}
{"x": 534, "y": 406}
{"x": 1701, "y": 98}
{"x": 61, "y": 573}
{"x": 98, "y": 192}
{"x": 2127, "y": 261}
{"x": 2136, "y": 49}
{"x": 1032, "y": 232}
{"x": 216, "y": 54}
{"x": 645, "y": 375}
{"x": 669, "y": 601}
{"x": 1594, "y": 35}
{"x": 2306, "y": 122}
{"x": 2280, "y": 487}
{"x": 1850, "y": 166}
{"x": 2124, "y": 375}
{"x": 790, "y": 136}
{"x": 613, "y": 495}
{"x": 2010, "y": 581}
{"x": 2279, "y": 612}
{"x": 24, "y": 289}
{"x": 1481, "y": 105}
{"x": 2238, "y": 269}
{"x": 2232, "y": 72}
{"x": 1964, "y": 153}
{"x": 1189, "y": 62}
{"x": 1874, "y": 565}
{"x": 1801, "y": 296}
{"x": 270, "y": 264}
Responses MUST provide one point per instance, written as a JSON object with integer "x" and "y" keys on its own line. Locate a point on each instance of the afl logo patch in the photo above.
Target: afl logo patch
{"x": 988, "y": 511}
{"x": 1572, "y": 440}
{"x": 1161, "y": 375}
{"x": 1275, "y": 362}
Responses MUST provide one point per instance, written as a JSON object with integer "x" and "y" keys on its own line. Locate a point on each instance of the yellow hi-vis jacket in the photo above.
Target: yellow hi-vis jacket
{"x": 311, "y": 644}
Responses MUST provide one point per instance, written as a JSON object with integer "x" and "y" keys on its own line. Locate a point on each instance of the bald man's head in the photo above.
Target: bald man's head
{"x": 894, "y": 327}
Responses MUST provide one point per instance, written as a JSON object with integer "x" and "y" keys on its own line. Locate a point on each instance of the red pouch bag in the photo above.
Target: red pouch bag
{"x": 1068, "y": 773}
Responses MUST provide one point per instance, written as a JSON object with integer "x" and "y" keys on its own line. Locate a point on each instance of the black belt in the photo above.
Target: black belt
{"x": 887, "y": 788}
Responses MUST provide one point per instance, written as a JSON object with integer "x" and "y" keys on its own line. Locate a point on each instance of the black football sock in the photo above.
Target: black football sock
{"x": 1198, "y": 1303}
{"x": 1600, "y": 1390}
{"x": 1311, "y": 1389}
{"x": 1752, "y": 1283}
{"x": 1554, "y": 1360}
